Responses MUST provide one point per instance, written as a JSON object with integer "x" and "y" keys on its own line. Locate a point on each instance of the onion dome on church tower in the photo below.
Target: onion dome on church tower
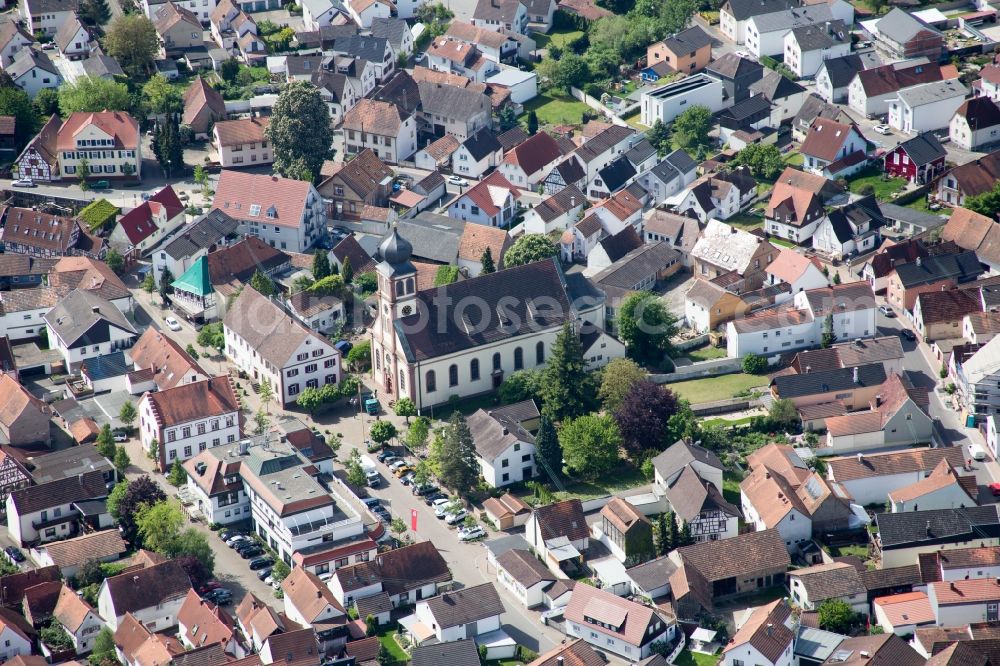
{"x": 395, "y": 249}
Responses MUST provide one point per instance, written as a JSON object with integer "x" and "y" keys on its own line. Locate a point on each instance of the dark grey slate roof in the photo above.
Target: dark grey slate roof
{"x": 744, "y": 9}
{"x": 50, "y": 6}
{"x": 911, "y": 216}
{"x": 839, "y": 379}
{"x": 681, "y": 161}
{"x": 452, "y": 101}
{"x": 636, "y": 266}
{"x": 617, "y": 173}
{"x": 688, "y": 41}
{"x": 27, "y": 59}
{"x": 640, "y": 152}
{"x": 898, "y": 530}
{"x": 774, "y": 86}
{"x": 359, "y": 46}
{"x": 469, "y": 604}
{"x": 102, "y": 65}
{"x": 652, "y": 574}
{"x": 923, "y": 148}
{"x": 814, "y": 107}
{"x": 455, "y": 653}
{"x": 842, "y": 70}
{"x": 748, "y": 108}
{"x": 83, "y": 317}
{"x": 731, "y": 67}
{"x": 482, "y": 143}
{"x": 818, "y": 36}
{"x": 962, "y": 267}
{"x": 400, "y": 90}
{"x": 391, "y": 29}
{"x": 901, "y": 26}
{"x": 204, "y": 232}
{"x": 433, "y": 237}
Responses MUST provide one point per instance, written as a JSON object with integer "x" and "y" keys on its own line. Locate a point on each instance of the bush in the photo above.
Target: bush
{"x": 99, "y": 214}
{"x": 866, "y": 190}
{"x": 754, "y": 364}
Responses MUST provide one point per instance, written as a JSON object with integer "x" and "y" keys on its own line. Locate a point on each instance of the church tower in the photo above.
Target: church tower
{"x": 397, "y": 298}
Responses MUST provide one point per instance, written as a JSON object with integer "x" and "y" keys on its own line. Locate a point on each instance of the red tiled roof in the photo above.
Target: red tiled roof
{"x": 534, "y": 153}
{"x": 187, "y": 402}
{"x": 284, "y": 197}
{"x": 122, "y": 127}
{"x": 482, "y": 193}
{"x": 239, "y": 132}
{"x": 825, "y": 139}
{"x": 138, "y": 223}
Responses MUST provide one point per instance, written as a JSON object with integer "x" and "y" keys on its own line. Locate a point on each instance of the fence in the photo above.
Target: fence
{"x": 722, "y": 406}
{"x": 716, "y": 366}
{"x": 597, "y": 106}
{"x": 696, "y": 341}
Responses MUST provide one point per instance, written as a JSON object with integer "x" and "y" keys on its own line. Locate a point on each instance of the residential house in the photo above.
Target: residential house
{"x": 396, "y": 31}
{"x": 437, "y": 154}
{"x": 606, "y": 621}
{"x": 903, "y": 614}
{"x": 978, "y": 233}
{"x": 977, "y": 380}
{"x": 385, "y": 128}
{"x": 901, "y": 35}
{"x": 24, "y": 419}
{"x": 69, "y": 555}
{"x": 39, "y": 159}
{"x": 980, "y": 327}
{"x": 707, "y": 306}
{"x": 811, "y": 586}
{"x": 668, "y": 177}
{"x": 869, "y": 477}
{"x": 108, "y": 141}
{"x": 850, "y": 230}
{"x": 687, "y": 52}
{"x": 904, "y": 536}
{"x": 500, "y": 440}
{"x": 807, "y": 47}
{"x": 786, "y": 96}
{"x": 240, "y": 143}
{"x": 679, "y": 231}
{"x": 217, "y": 487}
{"x": 666, "y": 102}
{"x": 466, "y": 613}
{"x": 931, "y": 274}
{"x": 835, "y": 75}
{"x": 458, "y": 57}
{"x": 797, "y": 271}
{"x": 500, "y": 15}
{"x": 638, "y": 270}
{"x": 944, "y": 488}
{"x": 723, "y": 248}
{"x": 13, "y": 38}
{"x": 626, "y": 532}
{"x": 153, "y": 595}
{"x": 407, "y": 575}
{"x": 350, "y": 186}
{"x": 879, "y": 268}
{"x": 16, "y": 642}
{"x": 527, "y": 164}
{"x": 53, "y": 510}
{"x": 449, "y": 109}
{"x": 287, "y": 214}
{"x": 364, "y": 12}
{"x": 477, "y": 154}
{"x": 734, "y": 14}
{"x": 920, "y": 159}
{"x": 201, "y": 623}
{"x": 73, "y": 39}
{"x": 349, "y": 250}
{"x": 926, "y": 107}
{"x": 834, "y": 150}
{"x": 558, "y": 533}
{"x": 189, "y": 418}
{"x": 84, "y": 325}
{"x": 492, "y": 201}
{"x": 203, "y": 10}
{"x": 767, "y": 636}
{"x": 319, "y": 13}
{"x": 796, "y": 207}
{"x": 715, "y": 196}
{"x": 872, "y": 91}
{"x": 736, "y": 73}
{"x": 540, "y": 14}
{"x": 507, "y": 511}
{"x": 33, "y": 71}
{"x": 78, "y": 619}
{"x": 557, "y": 212}
{"x": 148, "y": 223}
{"x": 714, "y": 571}
{"x": 781, "y": 493}
{"x": 464, "y": 651}
{"x": 47, "y": 16}
{"x": 969, "y": 179}
{"x": 938, "y": 315}
{"x": 178, "y": 28}
{"x": 961, "y": 602}
{"x": 320, "y": 313}
{"x": 524, "y": 576}
{"x": 310, "y": 603}
{"x": 879, "y": 648}
{"x": 976, "y": 124}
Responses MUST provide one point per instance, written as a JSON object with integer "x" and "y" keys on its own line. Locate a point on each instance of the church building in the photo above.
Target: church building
{"x": 462, "y": 339}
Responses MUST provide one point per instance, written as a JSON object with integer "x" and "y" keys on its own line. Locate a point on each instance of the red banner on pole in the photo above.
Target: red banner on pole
{"x": 413, "y": 519}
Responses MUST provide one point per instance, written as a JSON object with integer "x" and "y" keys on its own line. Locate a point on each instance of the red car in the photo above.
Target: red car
{"x": 209, "y": 586}
{"x": 995, "y": 489}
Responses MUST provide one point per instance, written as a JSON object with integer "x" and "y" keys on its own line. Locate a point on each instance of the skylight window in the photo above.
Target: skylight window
{"x": 254, "y": 210}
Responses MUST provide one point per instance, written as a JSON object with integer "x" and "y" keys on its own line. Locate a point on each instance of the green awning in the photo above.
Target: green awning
{"x": 195, "y": 279}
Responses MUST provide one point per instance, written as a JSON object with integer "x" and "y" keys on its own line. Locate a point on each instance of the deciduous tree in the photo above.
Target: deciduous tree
{"x": 92, "y": 94}
{"x": 131, "y": 39}
{"x": 262, "y": 283}
{"x": 416, "y": 434}
{"x": 754, "y": 364}
{"x": 590, "y": 444}
{"x": 828, "y": 337}
{"x": 161, "y": 97}
{"x": 617, "y": 378}
{"x": 106, "y": 442}
{"x": 177, "y": 476}
{"x": 836, "y": 615}
{"x": 355, "y": 473}
{"x": 299, "y": 131}
{"x": 127, "y": 414}
{"x": 690, "y": 130}
{"x": 659, "y": 137}
{"x": 784, "y": 413}
{"x": 121, "y": 460}
{"x": 159, "y": 524}
{"x": 646, "y": 326}
{"x": 382, "y": 431}
{"x": 643, "y": 417}
{"x": 406, "y": 408}
{"x": 529, "y": 248}
{"x": 15, "y": 102}
{"x": 764, "y": 160}
{"x": 129, "y": 500}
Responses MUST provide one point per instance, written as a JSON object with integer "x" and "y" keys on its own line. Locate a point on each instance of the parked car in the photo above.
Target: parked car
{"x": 14, "y": 554}
{"x": 421, "y": 489}
{"x": 173, "y": 324}
{"x": 977, "y": 452}
{"x": 253, "y": 551}
{"x": 441, "y": 506}
{"x": 457, "y": 517}
{"x": 235, "y": 541}
{"x": 908, "y": 334}
{"x": 385, "y": 455}
{"x": 246, "y": 545}
{"x": 402, "y": 471}
{"x": 429, "y": 500}
{"x": 371, "y": 502}
{"x": 409, "y": 478}
{"x": 264, "y": 573}
{"x": 995, "y": 489}
{"x": 120, "y": 437}
{"x": 227, "y": 534}
{"x": 105, "y": 185}
{"x": 395, "y": 463}
{"x": 220, "y": 596}
{"x": 472, "y": 534}
{"x": 23, "y": 182}
{"x": 261, "y": 562}
{"x": 887, "y": 311}
{"x": 458, "y": 180}
{"x": 209, "y": 586}
{"x": 883, "y": 129}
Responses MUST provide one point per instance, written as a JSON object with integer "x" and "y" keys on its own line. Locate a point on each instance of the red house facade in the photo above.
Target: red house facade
{"x": 919, "y": 160}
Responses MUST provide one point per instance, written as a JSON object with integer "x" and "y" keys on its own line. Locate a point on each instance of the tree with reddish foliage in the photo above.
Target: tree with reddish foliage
{"x": 138, "y": 492}
{"x": 643, "y": 417}
{"x": 195, "y": 569}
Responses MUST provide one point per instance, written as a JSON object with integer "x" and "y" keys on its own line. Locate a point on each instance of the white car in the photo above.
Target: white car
{"x": 396, "y": 464}
{"x": 883, "y": 129}
{"x": 458, "y": 180}
{"x": 472, "y": 534}
{"x": 977, "y": 452}
{"x": 173, "y": 324}
{"x": 440, "y": 507}
{"x": 121, "y": 437}
{"x": 457, "y": 517}
{"x": 23, "y": 182}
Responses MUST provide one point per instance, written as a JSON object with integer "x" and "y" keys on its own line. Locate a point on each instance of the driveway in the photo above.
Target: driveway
{"x": 674, "y": 291}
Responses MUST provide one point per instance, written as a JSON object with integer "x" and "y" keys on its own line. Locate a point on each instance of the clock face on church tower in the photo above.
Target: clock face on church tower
{"x": 407, "y": 310}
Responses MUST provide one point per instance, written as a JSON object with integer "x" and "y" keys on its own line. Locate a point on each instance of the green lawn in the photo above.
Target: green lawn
{"x": 856, "y": 549}
{"x": 706, "y": 353}
{"x": 921, "y": 205}
{"x": 556, "y": 108}
{"x": 623, "y": 477}
{"x": 633, "y": 120}
{"x": 688, "y": 658}
{"x": 774, "y": 240}
{"x": 731, "y": 488}
{"x": 884, "y": 188}
{"x": 386, "y": 638}
{"x": 746, "y": 221}
{"x": 559, "y": 39}
{"x": 727, "y": 423}
{"x": 794, "y": 159}
{"x": 710, "y": 389}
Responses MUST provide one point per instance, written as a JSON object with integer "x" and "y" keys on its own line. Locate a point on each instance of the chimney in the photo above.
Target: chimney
{"x": 808, "y": 368}
{"x": 560, "y": 660}
{"x": 861, "y": 457}
{"x": 829, "y": 28}
{"x": 319, "y": 594}
{"x": 951, "y": 585}
{"x": 95, "y": 308}
{"x": 919, "y": 262}
{"x": 927, "y": 529}
{"x": 856, "y": 376}
{"x": 770, "y": 629}
{"x": 135, "y": 579}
